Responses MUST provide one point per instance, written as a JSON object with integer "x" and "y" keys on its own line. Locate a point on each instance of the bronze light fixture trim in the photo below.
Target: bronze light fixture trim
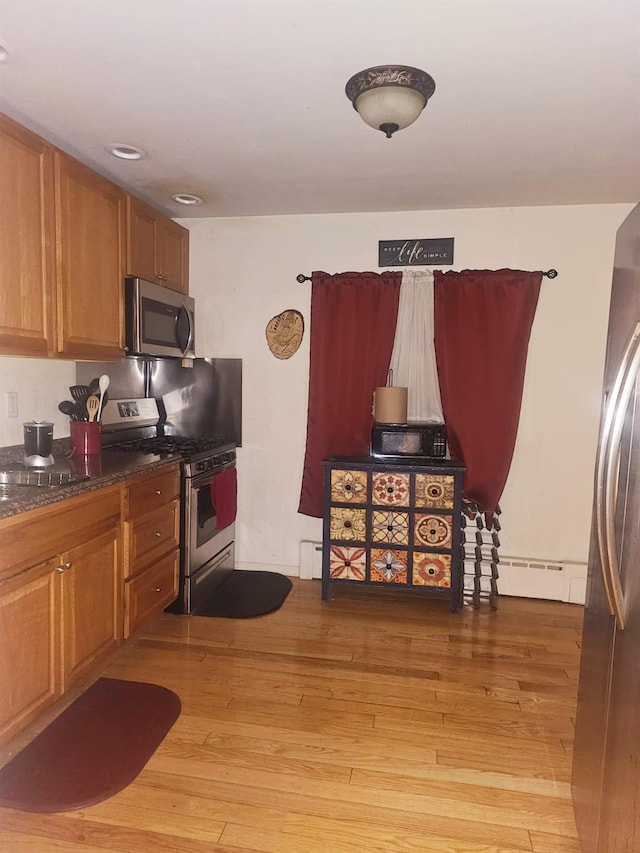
{"x": 390, "y": 97}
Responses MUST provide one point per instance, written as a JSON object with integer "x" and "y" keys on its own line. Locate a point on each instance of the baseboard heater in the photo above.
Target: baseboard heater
{"x": 534, "y": 577}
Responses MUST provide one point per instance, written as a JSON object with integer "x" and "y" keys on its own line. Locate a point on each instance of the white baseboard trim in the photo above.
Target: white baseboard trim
{"x": 565, "y": 582}
{"x": 290, "y": 571}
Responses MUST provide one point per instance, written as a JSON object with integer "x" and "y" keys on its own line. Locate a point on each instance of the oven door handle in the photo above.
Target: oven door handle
{"x": 208, "y": 477}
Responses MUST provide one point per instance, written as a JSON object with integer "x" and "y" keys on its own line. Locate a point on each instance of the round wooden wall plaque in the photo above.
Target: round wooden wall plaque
{"x": 284, "y": 333}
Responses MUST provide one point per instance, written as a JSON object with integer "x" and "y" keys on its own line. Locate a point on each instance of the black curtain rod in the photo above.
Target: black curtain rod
{"x": 302, "y": 278}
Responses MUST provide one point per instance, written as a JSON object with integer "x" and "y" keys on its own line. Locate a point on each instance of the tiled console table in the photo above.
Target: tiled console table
{"x": 393, "y": 523}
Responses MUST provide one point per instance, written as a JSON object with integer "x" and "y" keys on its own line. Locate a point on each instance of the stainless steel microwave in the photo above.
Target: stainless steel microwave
{"x": 409, "y": 440}
{"x": 158, "y": 321}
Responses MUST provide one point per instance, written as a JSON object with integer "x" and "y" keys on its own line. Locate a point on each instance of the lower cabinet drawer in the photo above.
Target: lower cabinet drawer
{"x": 389, "y": 565}
{"x": 157, "y": 533}
{"x": 150, "y": 591}
{"x": 152, "y": 491}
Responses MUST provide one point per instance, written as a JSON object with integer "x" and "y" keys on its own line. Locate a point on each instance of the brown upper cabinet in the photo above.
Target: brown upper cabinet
{"x": 68, "y": 236}
{"x": 62, "y": 251}
{"x": 157, "y": 247}
{"x": 90, "y": 219}
{"x": 27, "y": 236}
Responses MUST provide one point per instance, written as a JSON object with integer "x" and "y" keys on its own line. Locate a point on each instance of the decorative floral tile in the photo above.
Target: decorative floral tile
{"x": 390, "y": 489}
{"x": 434, "y": 490}
{"x": 431, "y": 570}
{"x": 349, "y": 564}
{"x": 349, "y": 486}
{"x": 432, "y": 530}
{"x": 391, "y": 527}
{"x": 389, "y": 565}
{"x": 348, "y": 524}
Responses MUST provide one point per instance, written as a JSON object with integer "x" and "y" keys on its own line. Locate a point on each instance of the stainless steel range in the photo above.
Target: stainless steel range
{"x": 194, "y": 412}
{"x": 208, "y": 493}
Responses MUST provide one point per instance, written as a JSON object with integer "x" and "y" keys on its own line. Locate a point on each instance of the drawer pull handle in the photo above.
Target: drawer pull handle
{"x": 158, "y": 491}
{"x": 157, "y": 589}
{"x": 158, "y": 534}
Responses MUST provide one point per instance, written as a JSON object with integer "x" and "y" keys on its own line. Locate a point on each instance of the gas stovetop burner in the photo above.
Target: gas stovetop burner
{"x": 166, "y": 444}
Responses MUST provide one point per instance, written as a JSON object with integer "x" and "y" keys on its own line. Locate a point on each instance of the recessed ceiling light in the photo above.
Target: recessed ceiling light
{"x": 126, "y": 152}
{"x": 186, "y": 198}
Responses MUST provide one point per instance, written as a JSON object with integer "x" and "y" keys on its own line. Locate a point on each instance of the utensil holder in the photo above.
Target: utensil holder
{"x": 86, "y": 437}
{"x": 87, "y": 466}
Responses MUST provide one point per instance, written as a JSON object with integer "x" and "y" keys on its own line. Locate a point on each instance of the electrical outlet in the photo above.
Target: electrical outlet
{"x": 12, "y": 404}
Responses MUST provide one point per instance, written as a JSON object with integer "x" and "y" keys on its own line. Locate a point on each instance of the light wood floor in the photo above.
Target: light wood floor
{"x": 373, "y": 722}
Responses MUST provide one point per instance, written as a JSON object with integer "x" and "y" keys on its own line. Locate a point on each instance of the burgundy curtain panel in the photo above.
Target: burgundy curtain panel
{"x": 482, "y": 325}
{"x": 353, "y": 322}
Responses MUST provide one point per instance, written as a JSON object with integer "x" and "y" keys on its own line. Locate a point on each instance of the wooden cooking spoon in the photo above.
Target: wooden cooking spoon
{"x": 92, "y": 407}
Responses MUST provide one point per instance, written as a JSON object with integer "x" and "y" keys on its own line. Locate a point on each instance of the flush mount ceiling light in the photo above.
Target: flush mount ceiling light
{"x": 390, "y": 97}
{"x": 126, "y": 152}
{"x": 186, "y": 198}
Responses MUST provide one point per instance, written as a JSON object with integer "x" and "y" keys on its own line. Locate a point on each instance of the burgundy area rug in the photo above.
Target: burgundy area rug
{"x": 95, "y": 748}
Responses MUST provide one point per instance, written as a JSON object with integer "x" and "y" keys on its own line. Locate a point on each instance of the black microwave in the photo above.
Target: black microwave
{"x": 158, "y": 321}
{"x": 413, "y": 439}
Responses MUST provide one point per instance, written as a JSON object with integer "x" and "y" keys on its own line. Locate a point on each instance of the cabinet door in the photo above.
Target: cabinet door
{"x": 173, "y": 255}
{"x": 30, "y": 672}
{"x": 26, "y": 241}
{"x": 90, "y": 214}
{"x": 141, "y": 240}
{"x": 92, "y": 604}
{"x": 157, "y": 247}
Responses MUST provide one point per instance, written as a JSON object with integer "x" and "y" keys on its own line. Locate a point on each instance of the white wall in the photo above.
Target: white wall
{"x": 243, "y": 272}
{"x": 40, "y": 384}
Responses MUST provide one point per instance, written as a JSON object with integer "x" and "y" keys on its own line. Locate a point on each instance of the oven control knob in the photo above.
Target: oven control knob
{"x": 201, "y": 466}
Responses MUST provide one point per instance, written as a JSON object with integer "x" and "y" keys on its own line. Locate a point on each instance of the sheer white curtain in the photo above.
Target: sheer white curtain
{"x": 413, "y": 360}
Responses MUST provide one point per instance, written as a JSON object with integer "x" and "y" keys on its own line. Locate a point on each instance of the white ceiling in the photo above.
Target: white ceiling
{"x": 242, "y": 102}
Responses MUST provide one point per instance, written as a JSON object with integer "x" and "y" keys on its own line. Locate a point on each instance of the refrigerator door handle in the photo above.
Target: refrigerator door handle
{"x": 610, "y": 408}
{"x": 600, "y": 513}
{"x": 608, "y": 470}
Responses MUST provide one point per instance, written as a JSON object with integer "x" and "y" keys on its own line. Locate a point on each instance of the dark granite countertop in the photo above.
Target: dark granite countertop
{"x": 93, "y": 472}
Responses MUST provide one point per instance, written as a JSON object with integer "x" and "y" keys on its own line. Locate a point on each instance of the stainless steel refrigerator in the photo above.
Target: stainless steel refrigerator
{"x": 606, "y": 768}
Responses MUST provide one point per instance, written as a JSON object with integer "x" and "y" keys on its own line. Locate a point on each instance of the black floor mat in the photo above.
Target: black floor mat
{"x": 245, "y": 594}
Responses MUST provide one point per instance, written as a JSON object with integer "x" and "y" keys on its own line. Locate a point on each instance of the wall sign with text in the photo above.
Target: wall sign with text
{"x": 415, "y": 253}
